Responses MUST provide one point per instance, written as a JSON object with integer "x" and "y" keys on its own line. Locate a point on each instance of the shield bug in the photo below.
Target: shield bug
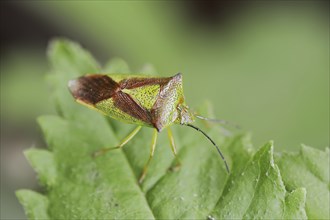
{"x": 156, "y": 102}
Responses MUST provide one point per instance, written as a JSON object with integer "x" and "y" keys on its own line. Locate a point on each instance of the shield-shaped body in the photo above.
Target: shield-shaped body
{"x": 137, "y": 99}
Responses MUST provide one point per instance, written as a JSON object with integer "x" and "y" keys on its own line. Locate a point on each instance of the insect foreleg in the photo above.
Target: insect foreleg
{"x": 173, "y": 148}
{"x": 152, "y": 151}
{"x": 120, "y": 145}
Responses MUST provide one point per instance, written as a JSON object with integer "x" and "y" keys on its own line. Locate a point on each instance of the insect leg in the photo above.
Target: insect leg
{"x": 152, "y": 151}
{"x": 173, "y": 148}
{"x": 120, "y": 145}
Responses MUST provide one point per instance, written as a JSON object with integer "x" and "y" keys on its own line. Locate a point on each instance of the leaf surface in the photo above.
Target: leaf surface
{"x": 310, "y": 169}
{"x": 79, "y": 186}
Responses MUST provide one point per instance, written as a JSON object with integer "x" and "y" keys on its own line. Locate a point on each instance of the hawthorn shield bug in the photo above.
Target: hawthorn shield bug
{"x": 156, "y": 102}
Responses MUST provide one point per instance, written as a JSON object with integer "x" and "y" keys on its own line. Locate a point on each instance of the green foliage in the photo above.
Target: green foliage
{"x": 35, "y": 204}
{"x": 310, "y": 169}
{"x": 293, "y": 186}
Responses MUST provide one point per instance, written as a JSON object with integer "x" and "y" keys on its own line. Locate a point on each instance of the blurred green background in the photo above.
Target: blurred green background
{"x": 263, "y": 66}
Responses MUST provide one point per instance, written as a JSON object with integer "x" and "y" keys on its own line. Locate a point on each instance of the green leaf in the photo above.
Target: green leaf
{"x": 309, "y": 169}
{"x": 258, "y": 192}
{"x": 35, "y": 204}
{"x": 295, "y": 204}
{"x": 81, "y": 187}
{"x": 44, "y": 164}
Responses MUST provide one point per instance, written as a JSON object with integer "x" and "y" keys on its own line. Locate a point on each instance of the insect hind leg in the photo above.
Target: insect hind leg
{"x": 120, "y": 145}
{"x": 173, "y": 148}
{"x": 152, "y": 151}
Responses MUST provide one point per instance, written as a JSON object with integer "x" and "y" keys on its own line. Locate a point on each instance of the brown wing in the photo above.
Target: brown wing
{"x": 139, "y": 82}
{"x": 126, "y": 103}
{"x": 93, "y": 88}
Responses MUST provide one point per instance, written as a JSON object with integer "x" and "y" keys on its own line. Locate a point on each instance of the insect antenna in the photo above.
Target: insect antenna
{"x": 221, "y": 155}
{"x": 221, "y": 121}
